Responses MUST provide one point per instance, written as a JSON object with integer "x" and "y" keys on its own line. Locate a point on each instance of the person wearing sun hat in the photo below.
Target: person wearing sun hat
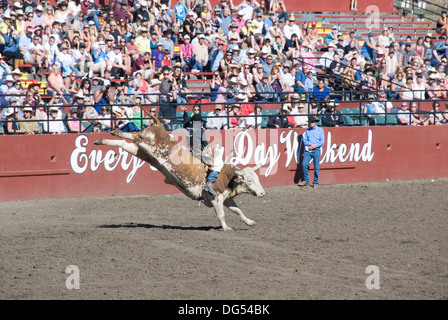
{"x": 55, "y": 124}
{"x": 143, "y": 41}
{"x": 291, "y": 27}
{"x": 6, "y": 89}
{"x": 10, "y": 117}
{"x": 27, "y": 122}
{"x": 313, "y": 139}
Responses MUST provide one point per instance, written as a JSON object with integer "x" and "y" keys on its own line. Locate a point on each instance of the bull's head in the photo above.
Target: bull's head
{"x": 248, "y": 181}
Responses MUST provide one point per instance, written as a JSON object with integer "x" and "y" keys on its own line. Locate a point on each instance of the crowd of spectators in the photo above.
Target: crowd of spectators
{"x": 104, "y": 65}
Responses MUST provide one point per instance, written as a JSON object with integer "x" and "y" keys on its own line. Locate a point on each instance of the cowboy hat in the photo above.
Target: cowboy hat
{"x": 79, "y": 94}
{"x": 314, "y": 119}
{"x": 27, "y": 108}
{"x": 155, "y": 82}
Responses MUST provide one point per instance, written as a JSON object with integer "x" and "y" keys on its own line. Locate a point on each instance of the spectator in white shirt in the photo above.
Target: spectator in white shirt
{"x": 216, "y": 119}
{"x": 55, "y": 124}
{"x": 116, "y": 60}
{"x": 252, "y": 121}
{"x": 291, "y": 27}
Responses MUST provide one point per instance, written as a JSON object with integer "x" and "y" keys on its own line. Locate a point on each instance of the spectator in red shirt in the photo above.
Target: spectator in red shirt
{"x": 121, "y": 11}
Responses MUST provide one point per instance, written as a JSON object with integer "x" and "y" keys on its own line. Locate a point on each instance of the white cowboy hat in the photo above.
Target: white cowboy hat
{"x": 155, "y": 82}
{"x": 79, "y": 94}
{"x": 9, "y": 112}
{"x": 234, "y": 80}
{"x": 117, "y": 109}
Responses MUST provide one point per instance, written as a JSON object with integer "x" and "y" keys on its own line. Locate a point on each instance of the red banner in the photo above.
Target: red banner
{"x": 52, "y": 166}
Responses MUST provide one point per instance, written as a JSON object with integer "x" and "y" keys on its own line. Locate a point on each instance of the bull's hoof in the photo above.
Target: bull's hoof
{"x": 250, "y": 222}
{"x": 99, "y": 141}
{"x": 116, "y": 133}
{"x": 227, "y": 228}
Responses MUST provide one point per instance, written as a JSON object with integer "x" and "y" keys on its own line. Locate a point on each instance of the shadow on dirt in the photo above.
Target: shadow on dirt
{"x": 151, "y": 226}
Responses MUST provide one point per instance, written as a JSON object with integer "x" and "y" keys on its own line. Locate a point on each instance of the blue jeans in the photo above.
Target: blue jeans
{"x": 213, "y": 176}
{"x": 189, "y": 62}
{"x": 282, "y": 15}
{"x": 307, "y": 156}
{"x": 198, "y": 65}
{"x": 95, "y": 19}
{"x": 368, "y": 57}
{"x": 180, "y": 100}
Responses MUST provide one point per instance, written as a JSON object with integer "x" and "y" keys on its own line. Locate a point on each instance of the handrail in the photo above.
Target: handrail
{"x": 142, "y": 118}
{"x": 412, "y": 8}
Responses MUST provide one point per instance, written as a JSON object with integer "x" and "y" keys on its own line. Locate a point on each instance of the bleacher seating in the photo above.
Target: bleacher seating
{"x": 198, "y": 82}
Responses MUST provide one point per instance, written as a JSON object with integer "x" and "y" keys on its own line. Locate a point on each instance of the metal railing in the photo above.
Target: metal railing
{"x": 358, "y": 113}
{"x": 422, "y": 8}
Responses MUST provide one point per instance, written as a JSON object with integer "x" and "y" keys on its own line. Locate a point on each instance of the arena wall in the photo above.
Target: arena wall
{"x": 70, "y": 165}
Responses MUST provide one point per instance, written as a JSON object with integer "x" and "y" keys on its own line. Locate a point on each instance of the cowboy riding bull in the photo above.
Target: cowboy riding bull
{"x": 186, "y": 172}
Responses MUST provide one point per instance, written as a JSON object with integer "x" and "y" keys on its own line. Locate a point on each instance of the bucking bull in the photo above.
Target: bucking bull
{"x": 187, "y": 173}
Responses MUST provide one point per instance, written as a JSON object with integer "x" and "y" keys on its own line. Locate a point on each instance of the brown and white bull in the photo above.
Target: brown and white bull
{"x": 187, "y": 173}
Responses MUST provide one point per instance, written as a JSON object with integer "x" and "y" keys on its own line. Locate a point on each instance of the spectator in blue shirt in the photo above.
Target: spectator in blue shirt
{"x": 26, "y": 39}
{"x": 320, "y": 92}
{"x": 269, "y": 21}
{"x": 11, "y": 48}
{"x": 300, "y": 80}
{"x": 439, "y": 52}
{"x": 226, "y": 20}
{"x": 180, "y": 10}
{"x": 369, "y": 110}
{"x": 309, "y": 82}
{"x": 313, "y": 139}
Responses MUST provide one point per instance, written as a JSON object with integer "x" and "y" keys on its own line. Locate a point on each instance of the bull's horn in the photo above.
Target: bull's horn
{"x": 256, "y": 167}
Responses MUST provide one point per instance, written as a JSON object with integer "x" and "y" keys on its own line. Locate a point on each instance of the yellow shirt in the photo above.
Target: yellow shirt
{"x": 143, "y": 44}
{"x": 3, "y": 30}
{"x": 20, "y": 27}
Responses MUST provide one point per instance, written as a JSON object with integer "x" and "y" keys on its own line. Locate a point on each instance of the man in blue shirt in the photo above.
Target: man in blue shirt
{"x": 309, "y": 84}
{"x": 226, "y": 20}
{"x": 313, "y": 139}
{"x": 268, "y": 22}
{"x": 300, "y": 79}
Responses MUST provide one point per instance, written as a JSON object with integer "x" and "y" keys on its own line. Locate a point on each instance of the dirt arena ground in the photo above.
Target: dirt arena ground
{"x": 307, "y": 244}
